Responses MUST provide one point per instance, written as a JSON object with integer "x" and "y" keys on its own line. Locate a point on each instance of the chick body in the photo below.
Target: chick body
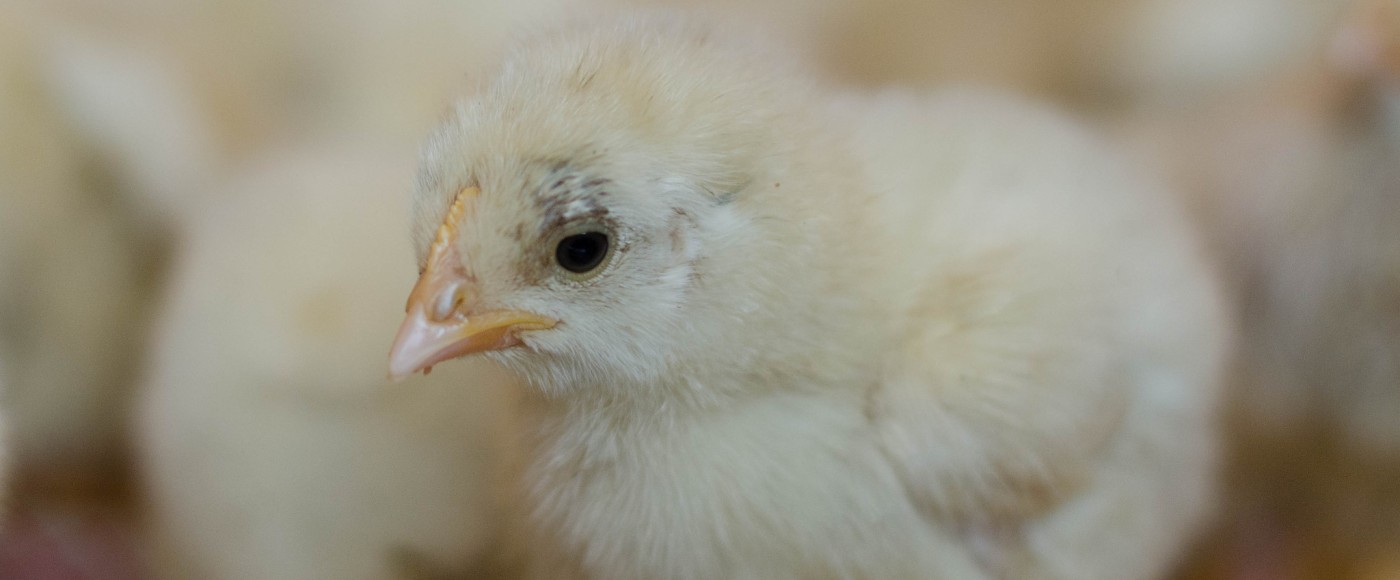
{"x": 1061, "y": 339}
{"x": 269, "y": 446}
{"x": 843, "y": 337}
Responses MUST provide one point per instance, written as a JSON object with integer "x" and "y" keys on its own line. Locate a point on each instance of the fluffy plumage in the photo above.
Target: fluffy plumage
{"x": 270, "y": 446}
{"x": 858, "y": 336}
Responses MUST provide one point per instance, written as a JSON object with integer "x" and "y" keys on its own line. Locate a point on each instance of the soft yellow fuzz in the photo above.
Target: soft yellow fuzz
{"x": 840, "y": 336}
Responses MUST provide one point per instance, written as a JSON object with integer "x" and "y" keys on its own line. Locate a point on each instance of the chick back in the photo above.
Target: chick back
{"x": 1056, "y": 367}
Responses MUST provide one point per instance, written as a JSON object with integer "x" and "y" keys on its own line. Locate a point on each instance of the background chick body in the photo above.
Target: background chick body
{"x": 270, "y": 447}
{"x": 71, "y": 284}
{"x": 878, "y": 337}
{"x": 1294, "y": 172}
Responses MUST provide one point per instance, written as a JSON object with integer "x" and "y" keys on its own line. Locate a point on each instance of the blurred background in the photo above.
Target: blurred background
{"x": 203, "y": 256}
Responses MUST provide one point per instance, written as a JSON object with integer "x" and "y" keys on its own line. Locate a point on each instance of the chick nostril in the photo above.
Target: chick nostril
{"x": 449, "y": 301}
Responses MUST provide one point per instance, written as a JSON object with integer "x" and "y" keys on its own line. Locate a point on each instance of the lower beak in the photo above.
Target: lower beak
{"x": 423, "y": 342}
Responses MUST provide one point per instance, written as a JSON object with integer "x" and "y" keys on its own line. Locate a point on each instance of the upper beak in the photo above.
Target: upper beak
{"x": 444, "y": 321}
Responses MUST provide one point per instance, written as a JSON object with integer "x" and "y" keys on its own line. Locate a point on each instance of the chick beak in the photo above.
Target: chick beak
{"x": 444, "y": 321}
{"x": 442, "y": 325}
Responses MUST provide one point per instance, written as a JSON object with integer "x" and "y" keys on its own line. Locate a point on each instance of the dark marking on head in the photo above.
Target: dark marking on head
{"x": 570, "y": 195}
{"x": 558, "y": 211}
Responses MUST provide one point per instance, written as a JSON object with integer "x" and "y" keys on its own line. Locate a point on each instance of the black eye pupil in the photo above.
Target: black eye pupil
{"x": 582, "y": 252}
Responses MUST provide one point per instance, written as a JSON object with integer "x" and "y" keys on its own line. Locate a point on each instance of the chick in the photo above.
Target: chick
{"x": 269, "y": 448}
{"x": 1179, "y": 53}
{"x": 70, "y": 275}
{"x": 1056, "y": 49}
{"x": 1295, "y": 175}
{"x": 777, "y": 332}
{"x": 134, "y": 112}
{"x": 269, "y": 70}
{"x": 1361, "y": 282}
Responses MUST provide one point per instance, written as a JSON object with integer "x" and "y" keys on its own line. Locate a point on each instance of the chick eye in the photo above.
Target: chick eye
{"x": 582, "y": 253}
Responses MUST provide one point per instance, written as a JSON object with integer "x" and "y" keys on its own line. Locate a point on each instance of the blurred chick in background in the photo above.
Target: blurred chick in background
{"x": 1354, "y": 274}
{"x": 71, "y": 274}
{"x": 272, "y": 447}
{"x": 1050, "y": 49}
{"x": 1102, "y": 57}
{"x": 92, "y": 136}
{"x": 1296, "y": 171}
{"x": 125, "y": 117}
{"x": 777, "y": 334}
{"x": 1171, "y": 54}
{"x": 314, "y": 471}
{"x": 271, "y": 70}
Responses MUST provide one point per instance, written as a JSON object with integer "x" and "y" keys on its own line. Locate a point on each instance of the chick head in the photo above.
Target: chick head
{"x": 581, "y": 218}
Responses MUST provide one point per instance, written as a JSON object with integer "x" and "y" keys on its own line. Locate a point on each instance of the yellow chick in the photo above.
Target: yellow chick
{"x": 1294, "y": 173}
{"x": 1348, "y": 304}
{"x": 263, "y": 71}
{"x": 776, "y": 332}
{"x": 269, "y": 447}
{"x": 1294, "y": 176}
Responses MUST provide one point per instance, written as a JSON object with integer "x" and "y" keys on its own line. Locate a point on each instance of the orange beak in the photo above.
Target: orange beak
{"x": 444, "y": 321}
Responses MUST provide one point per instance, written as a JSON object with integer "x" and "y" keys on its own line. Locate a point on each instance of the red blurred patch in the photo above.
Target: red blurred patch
{"x": 63, "y": 542}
